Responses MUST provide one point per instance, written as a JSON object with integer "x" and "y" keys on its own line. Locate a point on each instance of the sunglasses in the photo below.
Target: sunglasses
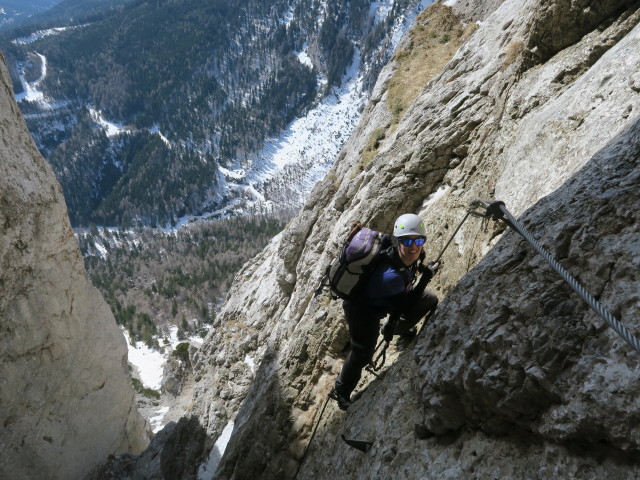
{"x": 408, "y": 241}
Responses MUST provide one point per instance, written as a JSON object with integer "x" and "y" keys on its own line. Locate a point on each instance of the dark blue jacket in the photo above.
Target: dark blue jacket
{"x": 387, "y": 287}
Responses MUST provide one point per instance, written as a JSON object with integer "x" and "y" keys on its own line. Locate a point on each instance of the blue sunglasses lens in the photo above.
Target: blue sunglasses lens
{"x": 408, "y": 241}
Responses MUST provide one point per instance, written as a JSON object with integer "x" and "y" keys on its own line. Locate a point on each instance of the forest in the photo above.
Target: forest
{"x": 152, "y": 279}
{"x": 216, "y": 79}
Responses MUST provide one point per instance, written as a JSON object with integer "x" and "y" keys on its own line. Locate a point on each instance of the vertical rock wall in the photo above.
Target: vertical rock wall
{"x": 66, "y": 400}
{"x": 542, "y": 92}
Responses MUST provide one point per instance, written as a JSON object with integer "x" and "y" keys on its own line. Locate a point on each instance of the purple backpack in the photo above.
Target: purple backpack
{"x": 355, "y": 258}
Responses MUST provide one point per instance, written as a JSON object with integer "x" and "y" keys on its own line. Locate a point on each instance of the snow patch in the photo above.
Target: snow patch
{"x": 239, "y": 174}
{"x": 304, "y": 58}
{"x": 157, "y": 421}
{"x": 313, "y": 141}
{"x": 111, "y": 129}
{"x": 148, "y": 362}
{"x": 208, "y": 468}
{"x": 107, "y": 238}
{"x": 156, "y": 129}
{"x": 39, "y": 34}
{"x": 307, "y": 148}
{"x": 459, "y": 239}
{"x": 288, "y": 17}
{"x": 30, "y": 90}
{"x": 401, "y": 27}
{"x": 249, "y": 361}
{"x": 380, "y": 11}
{"x": 435, "y": 196}
{"x": 322, "y": 13}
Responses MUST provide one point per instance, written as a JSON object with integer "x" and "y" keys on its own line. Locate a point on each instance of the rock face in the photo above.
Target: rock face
{"x": 175, "y": 453}
{"x": 515, "y": 377}
{"x": 66, "y": 399}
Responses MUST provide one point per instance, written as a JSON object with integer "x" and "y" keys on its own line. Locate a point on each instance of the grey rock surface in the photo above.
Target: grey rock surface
{"x": 515, "y": 377}
{"x": 174, "y": 454}
{"x": 66, "y": 400}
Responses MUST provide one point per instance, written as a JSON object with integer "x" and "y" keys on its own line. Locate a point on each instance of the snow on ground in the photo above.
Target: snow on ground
{"x": 322, "y": 12}
{"x": 156, "y": 129}
{"x": 157, "y": 421}
{"x": 249, "y": 361}
{"x": 304, "y": 152}
{"x": 108, "y": 238}
{"x": 111, "y": 129}
{"x": 313, "y": 142}
{"x": 400, "y": 28}
{"x": 238, "y": 174}
{"x": 304, "y": 57}
{"x": 30, "y": 90}
{"x": 38, "y": 35}
{"x": 380, "y": 10}
{"x": 148, "y": 362}
{"x": 208, "y": 468}
{"x": 435, "y": 196}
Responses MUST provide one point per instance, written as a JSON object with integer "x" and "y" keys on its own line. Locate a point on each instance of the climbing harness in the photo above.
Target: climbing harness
{"x": 378, "y": 363}
{"x": 496, "y": 210}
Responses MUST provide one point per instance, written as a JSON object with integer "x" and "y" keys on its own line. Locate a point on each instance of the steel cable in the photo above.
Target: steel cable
{"x": 586, "y": 296}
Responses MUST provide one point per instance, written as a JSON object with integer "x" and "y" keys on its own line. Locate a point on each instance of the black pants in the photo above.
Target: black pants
{"x": 364, "y": 331}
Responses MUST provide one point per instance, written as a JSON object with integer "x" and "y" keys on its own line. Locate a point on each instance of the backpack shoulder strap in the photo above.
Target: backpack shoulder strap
{"x": 390, "y": 256}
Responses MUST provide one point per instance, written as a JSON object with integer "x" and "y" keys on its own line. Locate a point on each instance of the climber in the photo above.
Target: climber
{"x": 388, "y": 290}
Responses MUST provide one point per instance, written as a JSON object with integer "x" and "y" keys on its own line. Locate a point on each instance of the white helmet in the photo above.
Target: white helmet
{"x": 409, "y": 224}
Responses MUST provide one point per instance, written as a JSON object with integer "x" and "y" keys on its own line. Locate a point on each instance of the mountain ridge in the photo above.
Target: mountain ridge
{"x": 234, "y": 88}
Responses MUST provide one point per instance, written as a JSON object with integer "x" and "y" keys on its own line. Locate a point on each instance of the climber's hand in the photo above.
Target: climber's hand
{"x": 433, "y": 266}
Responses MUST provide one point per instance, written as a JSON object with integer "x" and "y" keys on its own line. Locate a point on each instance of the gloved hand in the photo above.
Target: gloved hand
{"x": 433, "y": 266}
{"x": 387, "y": 330}
{"x": 429, "y": 271}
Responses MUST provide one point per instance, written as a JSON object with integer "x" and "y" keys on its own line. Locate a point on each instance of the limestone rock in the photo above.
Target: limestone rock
{"x": 514, "y": 375}
{"x": 66, "y": 399}
{"x": 176, "y": 370}
{"x": 174, "y": 454}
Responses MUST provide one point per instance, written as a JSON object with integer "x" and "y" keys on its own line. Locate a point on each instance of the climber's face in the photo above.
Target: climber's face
{"x": 409, "y": 254}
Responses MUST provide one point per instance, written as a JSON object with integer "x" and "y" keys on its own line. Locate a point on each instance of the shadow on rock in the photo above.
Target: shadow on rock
{"x": 175, "y": 453}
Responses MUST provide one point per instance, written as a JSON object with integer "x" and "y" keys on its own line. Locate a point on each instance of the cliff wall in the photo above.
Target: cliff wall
{"x": 66, "y": 400}
{"x": 514, "y": 377}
